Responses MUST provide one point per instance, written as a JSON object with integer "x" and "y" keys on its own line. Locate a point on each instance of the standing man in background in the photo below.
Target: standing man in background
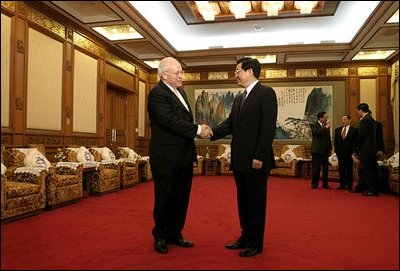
{"x": 367, "y": 150}
{"x": 345, "y": 146}
{"x": 172, "y": 153}
{"x": 252, "y": 123}
{"x": 320, "y": 150}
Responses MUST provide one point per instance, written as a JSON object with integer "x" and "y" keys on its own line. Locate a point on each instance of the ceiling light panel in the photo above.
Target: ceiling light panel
{"x": 394, "y": 19}
{"x": 118, "y": 32}
{"x": 373, "y": 55}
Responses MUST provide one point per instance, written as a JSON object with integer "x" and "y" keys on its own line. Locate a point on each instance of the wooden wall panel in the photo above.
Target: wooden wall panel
{"x": 119, "y": 78}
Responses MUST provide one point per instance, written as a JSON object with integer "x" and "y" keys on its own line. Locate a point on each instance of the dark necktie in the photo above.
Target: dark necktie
{"x": 243, "y": 98}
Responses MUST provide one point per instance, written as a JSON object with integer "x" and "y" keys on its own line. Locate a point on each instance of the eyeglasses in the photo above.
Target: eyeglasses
{"x": 176, "y": 73}
{"x": 238, "y": 70}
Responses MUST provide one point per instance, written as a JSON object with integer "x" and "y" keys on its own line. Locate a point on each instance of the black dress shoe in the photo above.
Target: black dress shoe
{"x": 248, "y": 252}
{"x": 326, "y": 186}
{"x": 181, "y": 242}
{"x": 160, "y": 246}
{"x": 314, "y": 187}
{"x": 237, "y": 245}
{"x": 341, "y": 188}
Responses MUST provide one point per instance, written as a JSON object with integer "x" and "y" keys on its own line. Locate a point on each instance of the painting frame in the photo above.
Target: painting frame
{"x": 213, "y": 105}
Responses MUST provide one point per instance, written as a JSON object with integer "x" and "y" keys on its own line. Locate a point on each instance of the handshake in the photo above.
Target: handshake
{"x": 206, "y": 131}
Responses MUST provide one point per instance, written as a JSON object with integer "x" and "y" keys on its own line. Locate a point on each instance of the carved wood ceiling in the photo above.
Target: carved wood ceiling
{"x": 82, "y": 16}
{"x": 191, "y": 14}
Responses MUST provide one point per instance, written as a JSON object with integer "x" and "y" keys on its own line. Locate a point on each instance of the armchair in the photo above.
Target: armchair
{"x": 224, "y": 159}
{"x": 23, "y": 189}
{"x": 64, "y": 184}
{"x": 129, "y": 167}
{"x": 142, "y": 162}
{"x": 198, "y": 166}
{"x": 105, "y": 179}
{"x": 393, "y": 169}
{"x": 333, "y": 168}
{"x": 287, "y": 160}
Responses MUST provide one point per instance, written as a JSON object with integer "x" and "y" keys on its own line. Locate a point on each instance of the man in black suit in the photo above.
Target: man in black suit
{"x": 345, "y": 143}
{"x": 320, "y": 150}
{"x": 367, "y": 151}
{"x": 252, "y": 123}
{"x": 172, "y": 153}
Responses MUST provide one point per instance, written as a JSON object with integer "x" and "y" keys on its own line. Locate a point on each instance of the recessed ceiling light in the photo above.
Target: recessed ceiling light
{"x": 118, "y": 32}
{"x": 371, "y": 55}
{"x": 152, "y": 63}
{"x": 394, "y": 19}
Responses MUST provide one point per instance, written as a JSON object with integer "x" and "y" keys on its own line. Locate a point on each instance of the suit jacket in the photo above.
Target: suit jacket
{"x": 172, "y": 129}
{"x": 321, "y": 139}
{"x": 366, "y": 140}
{"x": 252, "y": 128}
{"x": 380, "y": 143}
{"x": 348, "y": 145}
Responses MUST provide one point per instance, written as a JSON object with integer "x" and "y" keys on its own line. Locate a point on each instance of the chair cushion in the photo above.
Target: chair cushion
{"x": 394, "y": 160}
{"x": 14, "y": 158}
{"x": 291, "y": 152}
{"x": 96, "y": 152}
{"x": 21, "y": 189}
{"x": 133, "y": 155}
{"x": 35, "y": 158}
{"x": 70, "y": 155}
{"x": 84, "y": 155}
{"x": 107, "y": 154}
{"x": 333, "y": 160}
{"x": 226, "y": 154}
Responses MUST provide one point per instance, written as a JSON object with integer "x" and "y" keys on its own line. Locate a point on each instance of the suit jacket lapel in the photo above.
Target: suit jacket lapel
{"x": 186, "y": 100}
{"x": 248, "y": 100}
{"x": 176, "y": 98}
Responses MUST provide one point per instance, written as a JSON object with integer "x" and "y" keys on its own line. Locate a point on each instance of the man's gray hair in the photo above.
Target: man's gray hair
{"x": 163, "y": 65}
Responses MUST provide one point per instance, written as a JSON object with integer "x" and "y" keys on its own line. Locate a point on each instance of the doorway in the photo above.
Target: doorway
{"x": 116, "y": 112}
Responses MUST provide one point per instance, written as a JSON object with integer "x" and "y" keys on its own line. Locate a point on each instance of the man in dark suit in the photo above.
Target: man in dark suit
{"x": 320, "y": 150}
{"x": 367, "y": 150}
{"x": 172, "y": 153}
{"x": 252, "y": 123}
{"x": 345, "y": 143}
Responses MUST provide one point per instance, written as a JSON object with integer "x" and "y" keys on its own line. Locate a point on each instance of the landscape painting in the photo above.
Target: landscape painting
{"x": 297, "y": 108}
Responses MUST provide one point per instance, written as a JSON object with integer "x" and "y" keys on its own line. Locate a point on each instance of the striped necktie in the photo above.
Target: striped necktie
{"x": 244, "y": 96}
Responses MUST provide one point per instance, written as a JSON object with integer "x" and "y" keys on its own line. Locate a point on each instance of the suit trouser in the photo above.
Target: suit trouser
{"x": 369, "y": 167}
{"x": 319, "y": 160}
{"x": 252, "y": 203}
{"x": 345, "y": 170}
{"x": 172, "y": 191}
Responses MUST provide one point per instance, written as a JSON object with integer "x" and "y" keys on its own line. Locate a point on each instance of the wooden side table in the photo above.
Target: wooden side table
{"x": 210, "y": 166}
{"x": 86, "y": 177}
{"x": 306, "y": 168}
